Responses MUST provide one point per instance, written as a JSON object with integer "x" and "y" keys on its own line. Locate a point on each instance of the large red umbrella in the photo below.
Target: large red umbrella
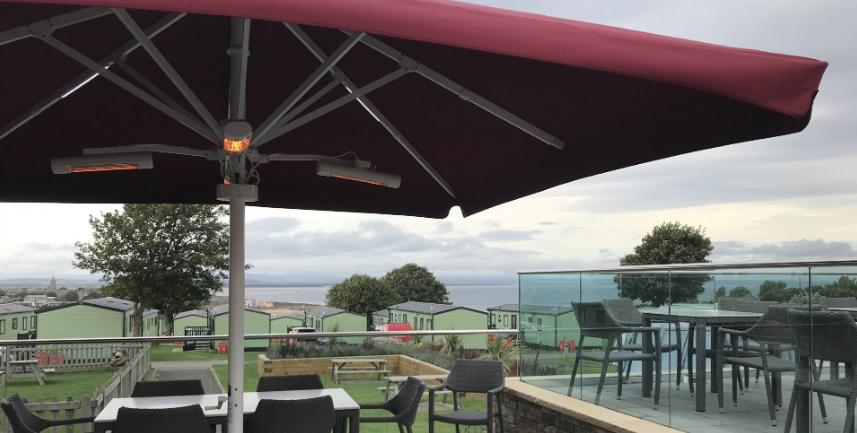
{"x": 471, "y": 106}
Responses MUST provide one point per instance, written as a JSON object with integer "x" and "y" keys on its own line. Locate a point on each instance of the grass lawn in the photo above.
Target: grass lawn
{"x": 361, "y": 393}
{"x": 60, "y": 385}
{"x": 164, "y": 352}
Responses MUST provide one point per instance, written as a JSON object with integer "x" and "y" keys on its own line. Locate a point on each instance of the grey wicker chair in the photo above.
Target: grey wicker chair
{"x": 624, "y": 310}
{"x": 828, "y": 303}
{"x": 23, "y": 420}
{"x": 746, "y": 347}
{"x": 827, "y": 336}
{"x": 163, "y": 388}
{"x": 403, "y": 406}
{"x": 475, "y": 376}
{"x": 312, "y": 415}
{"x": 289, "y": 383}
{"x": 186, "y": 419}
{"x": 595, "y": 321}
{"x": 772, "y": 332}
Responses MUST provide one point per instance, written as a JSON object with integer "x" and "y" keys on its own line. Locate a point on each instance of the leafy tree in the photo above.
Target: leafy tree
{"x": 416, "y": 283}
{"x": 720, "y": 293}
{"x": 165, "y": 256}
{"x": 773, "y": 291}
{"x": 71, "y": 296}
{"x": 361, "y": 294}
{"x": 51, "y": 294}
{"x": 740, "y": 292}
{"x": 95, "y": 294}
{"x": 668, "y": 243}
{"x": 844, "y": 287}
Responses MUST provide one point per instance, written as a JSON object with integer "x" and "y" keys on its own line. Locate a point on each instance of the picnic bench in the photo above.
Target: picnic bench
{"x": 12, "y": 368}
{"x": 368, "y": 366}
{"x": 396, "y": 381}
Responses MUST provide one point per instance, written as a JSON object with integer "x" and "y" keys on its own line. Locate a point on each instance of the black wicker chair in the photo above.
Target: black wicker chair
{"x": 627, "y": 314}
{"x": 597, "y": 322}
{"x": 24, "y": 421}
{"x": 312, "y": 415}
{"x": 826, "y": 336}
{"x": 772, "y": 332}
{"x": 403, "y": 406}
{"x": 475, "y": 376}
{"x": 294, "y": 382}
{"x": 186, "y": 419}
{"x": 163, "y": 388}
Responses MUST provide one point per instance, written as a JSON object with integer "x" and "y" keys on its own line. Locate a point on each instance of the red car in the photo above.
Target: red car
{"x": 396, "y": 327}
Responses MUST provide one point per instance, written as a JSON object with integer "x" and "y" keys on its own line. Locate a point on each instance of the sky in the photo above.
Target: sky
{"x": 786, "y": 198}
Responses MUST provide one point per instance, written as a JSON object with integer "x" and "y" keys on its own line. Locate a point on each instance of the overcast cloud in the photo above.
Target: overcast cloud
{"x": 788, "y": 198}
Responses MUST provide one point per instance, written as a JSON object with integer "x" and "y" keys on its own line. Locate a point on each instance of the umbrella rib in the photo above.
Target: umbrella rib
{"x": 238, "y": 53}
{"x": 152, "y": 88}
{"x": 57, "y": 22}
{"x": 168, "y": 69}
{"x": 324, "y": 68}
{"x": 134, "y": 90}
{"x": 372, "y": 109}
{"x": 466, "y": 94}
{"x": 85, "y": 76}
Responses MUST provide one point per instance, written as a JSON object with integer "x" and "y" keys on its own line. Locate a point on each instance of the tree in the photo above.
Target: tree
{"x": 740, "y": 292}
{"x": 71, "y": 296}
{"x": 773, "y": 291}
{"x": 843, "y": 288}
{"x": 416, "y": 283}
{"x": 720, "y": 293}
{"x": 668, "y": 243}
{"x": 51, "y": 294}
{"x": 361, "y": 294}
{"x": 164, "y": 256}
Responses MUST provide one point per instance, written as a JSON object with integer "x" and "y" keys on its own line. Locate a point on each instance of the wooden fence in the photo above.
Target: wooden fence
{"x": 120, "y": 385}
{"x": 73, "y": 357}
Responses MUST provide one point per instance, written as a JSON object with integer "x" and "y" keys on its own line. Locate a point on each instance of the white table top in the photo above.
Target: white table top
{"x": 848, "y": 309}
{"x": 695, "y": 312}
{"x": 341, "y": 401}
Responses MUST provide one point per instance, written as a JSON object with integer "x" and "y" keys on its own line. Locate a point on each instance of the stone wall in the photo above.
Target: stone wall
{"x": 529, "y": 409}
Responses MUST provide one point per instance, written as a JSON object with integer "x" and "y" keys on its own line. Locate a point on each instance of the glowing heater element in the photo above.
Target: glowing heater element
{"x": 102, "y": 162}
{"x": 236, "y": 136}
{"x": 359, "y": 174}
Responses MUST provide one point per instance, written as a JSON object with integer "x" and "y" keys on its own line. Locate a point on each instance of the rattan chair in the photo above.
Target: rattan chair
{"x": 474, "y": 376}
{"x": 746, "y": 347}
{"x": 312, "y": 415}
{"x": 163, "y": 388}
{"x": 403, "y": 406}
{"x": 826, "y": 336}
{"x": 22, "y": 420}
{"x": 828, "y": 303}
{"x": 293, "y": 382}
{"x": 624, "y": 310}
{"x": 186, "y": 419}
{"x": 771, "y": 333}
{"x": 597, "y": 322}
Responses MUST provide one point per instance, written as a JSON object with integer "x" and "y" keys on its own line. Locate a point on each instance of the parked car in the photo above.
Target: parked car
{"x": 395, "y": 326}
{"x": 301, "y": 330}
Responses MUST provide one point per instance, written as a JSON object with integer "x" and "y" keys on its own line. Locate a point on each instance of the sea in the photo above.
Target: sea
{"x": 548, "y": 289}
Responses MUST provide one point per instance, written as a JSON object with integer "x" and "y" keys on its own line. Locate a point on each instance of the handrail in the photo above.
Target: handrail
{"x": 700, "y": 267}
{"x": 300, "y": 336}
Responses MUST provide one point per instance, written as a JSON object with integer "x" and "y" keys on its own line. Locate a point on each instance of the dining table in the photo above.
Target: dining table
{"x": 700, "y": 319}
{"x": 347, "y": 410}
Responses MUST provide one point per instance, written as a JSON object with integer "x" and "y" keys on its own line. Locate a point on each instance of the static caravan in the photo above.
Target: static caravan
{"x": 192, "y": 318}
{"x": 93, "y": 318}
{"x": 325, "y": 319}
{"x": 255, "y": 322}
{"x": 16, "y": 319}
{"x": 439, "y": 317}
{"x": 281, "y": 323}
{"x": 381, "y": 317}
{"x": 504, "y": 316}
{"x": 549, "y": 325}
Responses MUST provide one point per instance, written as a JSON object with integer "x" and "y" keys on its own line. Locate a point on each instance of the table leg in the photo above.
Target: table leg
{"x": 647, "y": 364}
{"x": 38, "y": 373}
{"x": 700, "y": 365}
{"x": 802, "y": 409}
{"x": 102, "y": 427}
{"x": 354, "y": 422}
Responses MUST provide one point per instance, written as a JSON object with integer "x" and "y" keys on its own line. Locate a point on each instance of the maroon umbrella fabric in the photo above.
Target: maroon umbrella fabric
{"x": 613, "y": 97}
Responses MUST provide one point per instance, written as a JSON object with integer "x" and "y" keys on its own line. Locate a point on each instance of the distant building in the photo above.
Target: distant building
{"x": 16, "y": 319}
{"x": 35, "y": 301}
{"x": 103, "y": 317}
{"x": 504, "y": 316}
{"x": 549, "y": 325}
{"x": 190, "y": 318}
{"x": 281, "y": 323}
{"x": 255, "y": 322}
{"x": 325, "y": 319}
{"x": 52, "y": 286}
{"x": 381, "y": 317}
{"x": 436, "y": 317}
{"x": 264, "y": 304}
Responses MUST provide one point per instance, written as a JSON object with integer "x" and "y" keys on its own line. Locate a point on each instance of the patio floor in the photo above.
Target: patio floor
{"x": 677, "y": 407}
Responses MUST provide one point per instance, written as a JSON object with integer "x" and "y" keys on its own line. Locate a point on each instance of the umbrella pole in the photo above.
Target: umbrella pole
{"x": 235, "y": 411}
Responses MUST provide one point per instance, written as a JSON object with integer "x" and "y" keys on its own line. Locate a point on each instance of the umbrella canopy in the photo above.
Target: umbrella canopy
{"x": 471, "y": 106}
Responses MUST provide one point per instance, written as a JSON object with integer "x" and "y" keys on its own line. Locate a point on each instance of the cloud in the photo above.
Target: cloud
{"x": 445, "y": 227}
{"x": 508, "y": 235}
{"x": 783, "y": 251}
{"x": 547, "y": 223}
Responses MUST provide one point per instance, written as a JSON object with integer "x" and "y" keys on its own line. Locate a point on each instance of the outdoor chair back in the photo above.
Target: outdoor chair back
{"x": 312, "y": 415}
{"x": 185, "y": 419}
{"x": 828, "y": 303}
{"x": 294, "y": 382}
{"x": 593, "y": 320}
{"x": 773, "y": 327}
{"x": 403, "y": 406}
{"x": 163, "y": 388}
{"x": 825, "y": 335}
{"x": 750, "y": 305}
{"x": 624, "y": 311}
{"x": 473, "y": 375}
{"x": 23, "y": 420}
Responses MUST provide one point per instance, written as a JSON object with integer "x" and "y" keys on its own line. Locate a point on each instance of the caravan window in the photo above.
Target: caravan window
{"x": 23, "y": 323}
{"x": 15, "y": 323}
{"x": 2, "y": 326}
